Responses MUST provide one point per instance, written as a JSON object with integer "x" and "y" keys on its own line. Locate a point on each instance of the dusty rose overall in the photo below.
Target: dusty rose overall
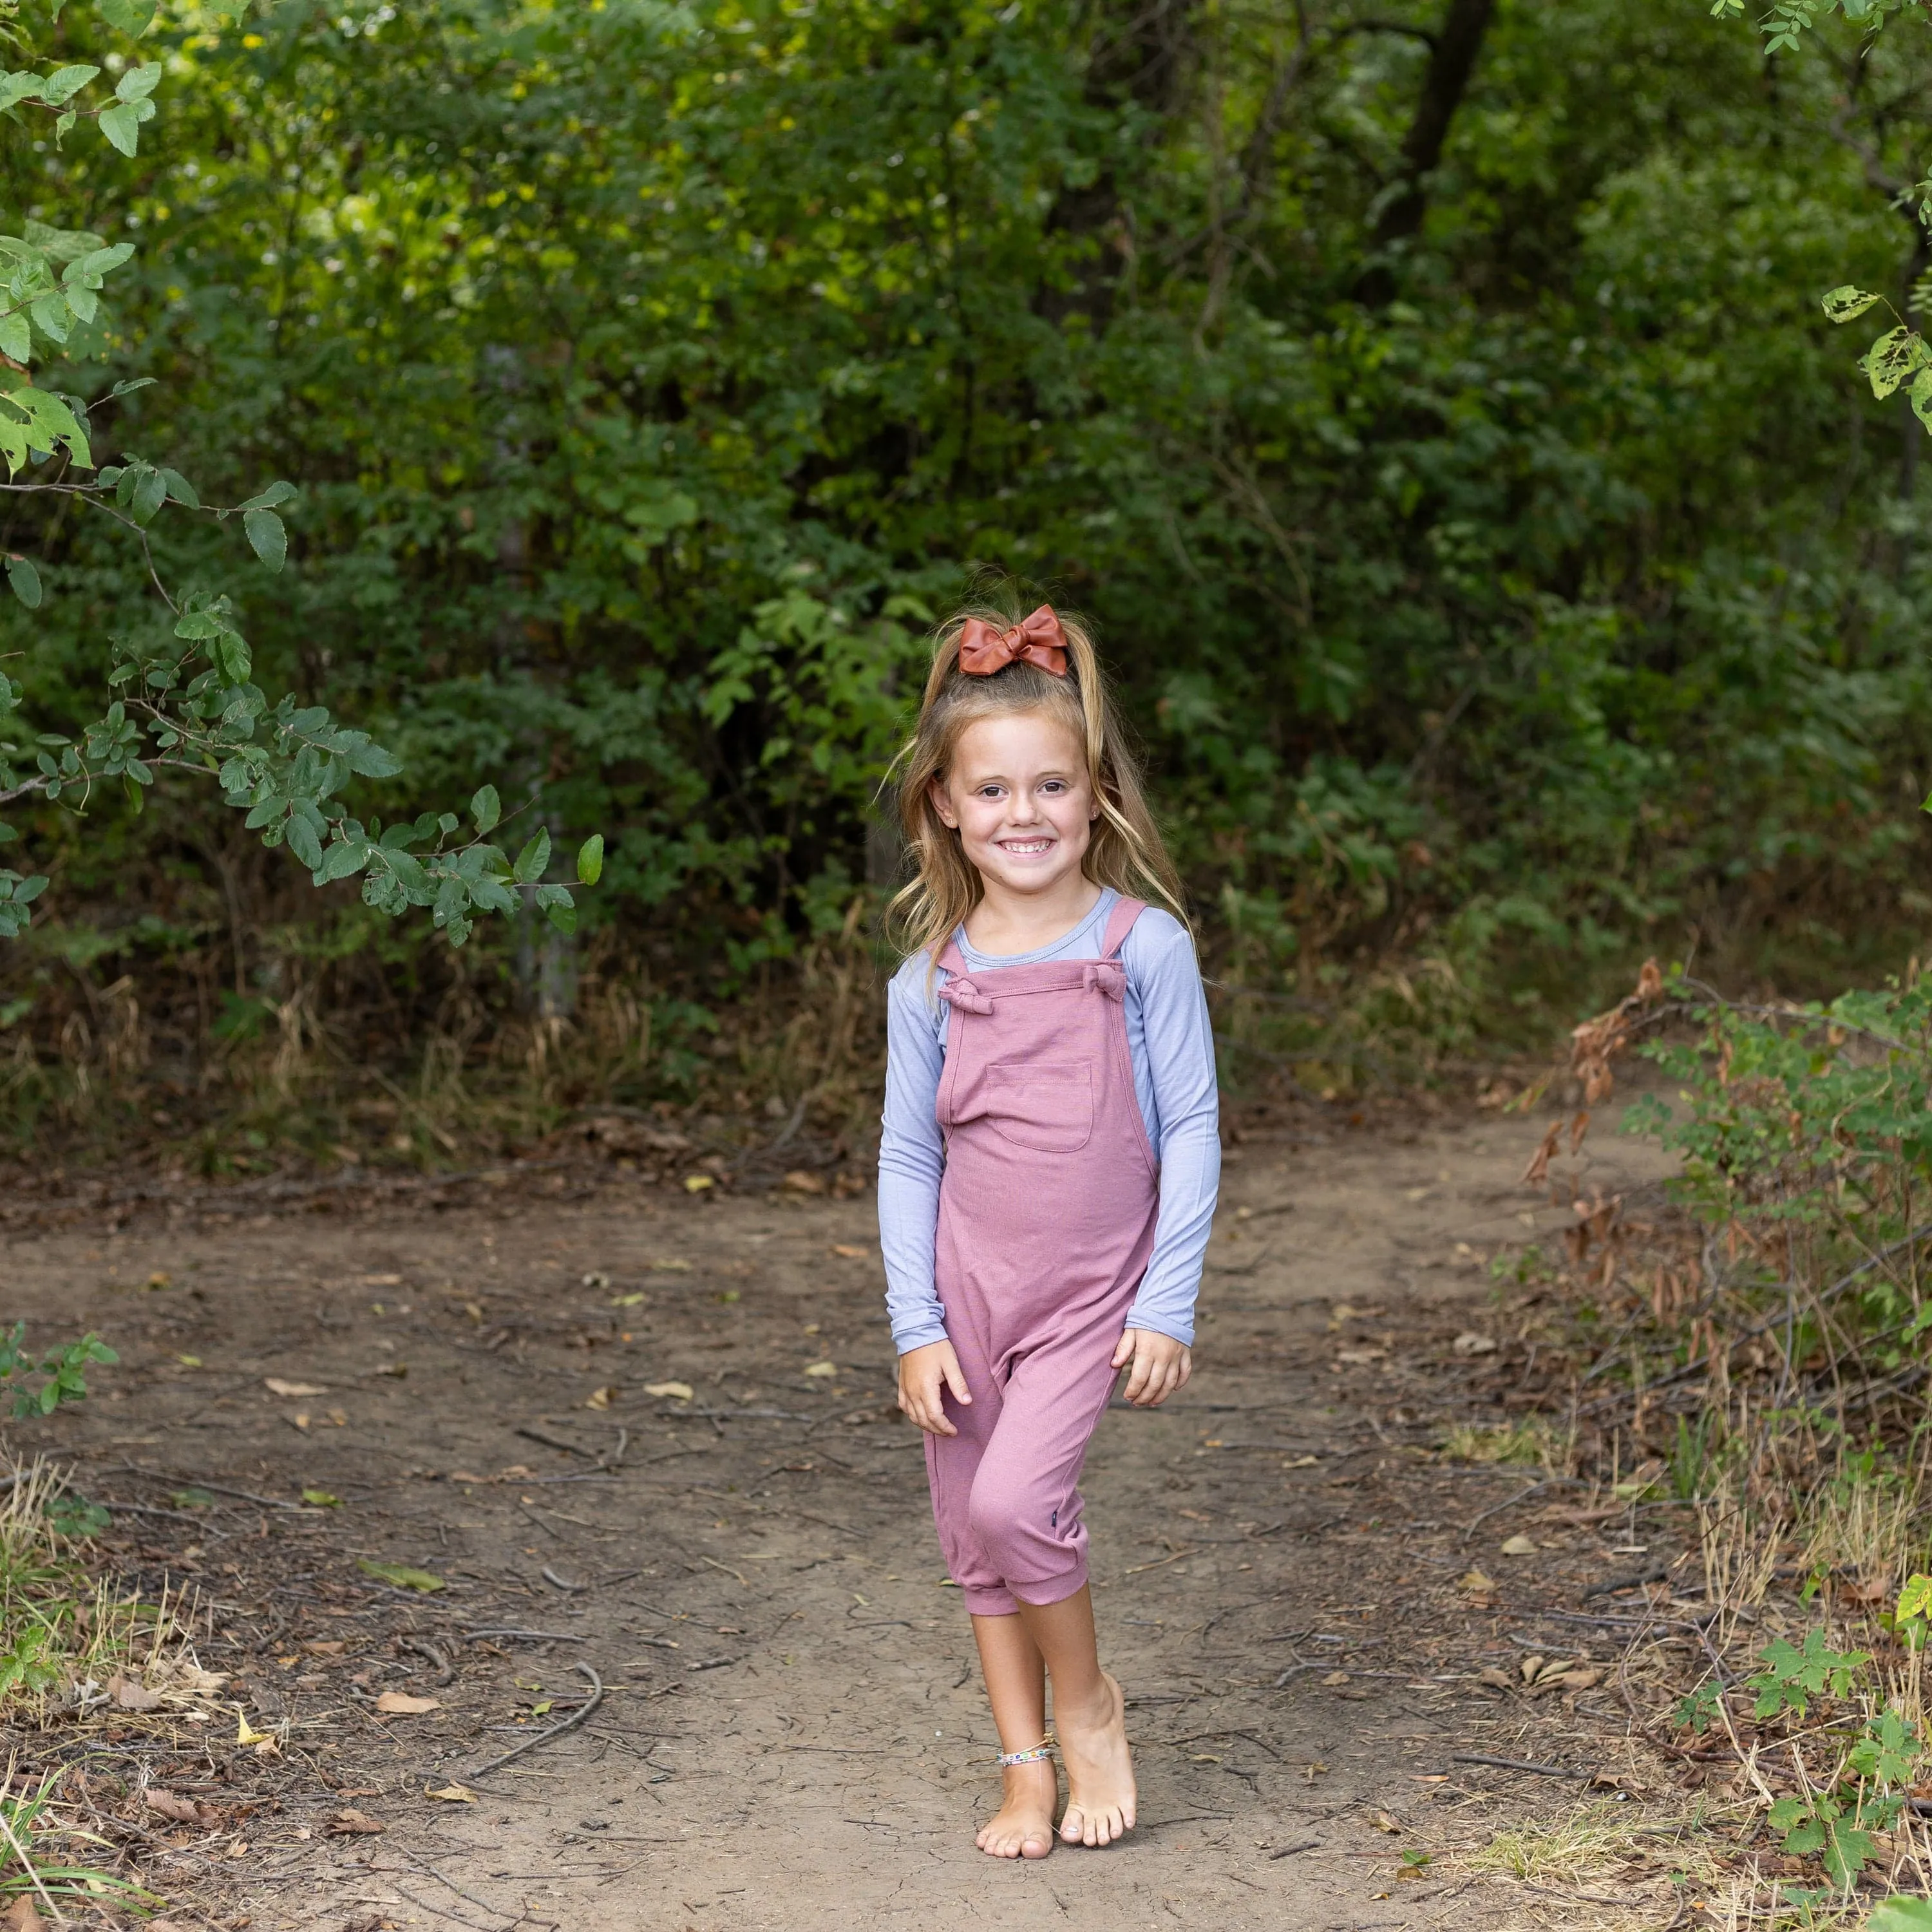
{"x": 1046, "y": 1223}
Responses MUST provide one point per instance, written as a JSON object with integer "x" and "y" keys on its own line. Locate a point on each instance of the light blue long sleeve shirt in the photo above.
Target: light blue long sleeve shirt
{"x": 1171, "y": 1044}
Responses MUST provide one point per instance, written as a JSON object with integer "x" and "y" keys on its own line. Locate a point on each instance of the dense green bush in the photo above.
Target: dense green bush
{"x": 1496, "y": 593}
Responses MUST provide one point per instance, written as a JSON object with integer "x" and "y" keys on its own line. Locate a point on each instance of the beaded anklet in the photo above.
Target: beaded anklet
{"x": 1032, "y": 1755}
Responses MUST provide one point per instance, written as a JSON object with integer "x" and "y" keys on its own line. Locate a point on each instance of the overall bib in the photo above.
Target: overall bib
{"x": 1046, "y": 1225}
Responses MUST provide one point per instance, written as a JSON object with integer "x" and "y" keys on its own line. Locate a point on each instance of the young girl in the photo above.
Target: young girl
{"x": 1048, "y": 1171}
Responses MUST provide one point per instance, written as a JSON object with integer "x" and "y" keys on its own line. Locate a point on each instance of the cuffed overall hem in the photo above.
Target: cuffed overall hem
{"x": 999, "y": 1602}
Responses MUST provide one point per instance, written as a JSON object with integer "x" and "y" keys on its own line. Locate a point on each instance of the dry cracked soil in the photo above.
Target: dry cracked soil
{"x": 656, "y": 1429}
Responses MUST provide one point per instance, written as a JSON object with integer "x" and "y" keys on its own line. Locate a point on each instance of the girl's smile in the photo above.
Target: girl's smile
{"x": 1019, "y": 796}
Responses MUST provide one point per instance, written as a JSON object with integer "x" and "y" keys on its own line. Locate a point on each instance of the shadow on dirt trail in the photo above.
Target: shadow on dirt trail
{"x": 791, "y": 1732}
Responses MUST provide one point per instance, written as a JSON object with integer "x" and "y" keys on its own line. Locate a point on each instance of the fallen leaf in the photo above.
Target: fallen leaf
{"x": 300, "y": 1419}
{"x": 850, "y": 1253}
{"x": 1474, "y": 1344}
{"x": 1497, "y": 1680}
{"x": 1336, "y": 1677}
{"x": 192, "y": 1499}
{"x": 601, "y": 1398}
{"x": 321, "y": 1499}
{"x": 245, "y": 1733}
{"x": 627, "y": 1300}
{"x": 1302, "y": 1463}
{"x": 276, "y": 1386}
{"x": 696, "y": 1183}
{"x": 238, "y": 1848}
{"x": 1531, "y": 1667}
{"x": 1519, "y": 1546}
{"x": 351, "y": 1822}
{"x": 799, "y": 1182}
{"x": 542, "y": 1710}
{"x": 1359, "y": 1357}
{"x": 1583, "y": 1679}
{"x": 158, "y": 1279}
{"x": 183, "y": 1810}
{"x": 189, "y": 1361}
{"x": 670, "y": 1264}
{"x": 20, "y": 1916}
{"x": 401, "y": 1704}
{"x": 464, "y": 1476}
{"x": 1383, "y": 1823}
{"x": 822, "y": 1369}
{"x": 1475, "y": 1583}
{"x": 677, "y": 1391}
{"x": 451, "y": 1794}
{"x": 133, "y": 1695}
{"x": 382, "y": 1281}
{"x": 325, "y": 1646}
{"x": 400, "y": 1575}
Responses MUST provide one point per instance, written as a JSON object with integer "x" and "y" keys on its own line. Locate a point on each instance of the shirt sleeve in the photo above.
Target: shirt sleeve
{"x": 912, "y": 1158}
{"x": 1180, "y": 1046}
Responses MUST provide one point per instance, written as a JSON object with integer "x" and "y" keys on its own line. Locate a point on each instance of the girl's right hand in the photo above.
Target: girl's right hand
{"x": 925, "y": 1376}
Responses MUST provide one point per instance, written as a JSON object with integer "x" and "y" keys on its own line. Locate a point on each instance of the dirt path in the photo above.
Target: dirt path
{"x": 792, "y": 1734}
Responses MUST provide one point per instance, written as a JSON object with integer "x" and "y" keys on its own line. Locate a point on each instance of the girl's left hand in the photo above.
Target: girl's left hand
{"x": 1161, "y": 1366}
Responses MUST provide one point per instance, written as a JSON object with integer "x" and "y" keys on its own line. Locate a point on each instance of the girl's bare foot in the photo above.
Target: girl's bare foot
{"x": 1099, "y": 1769}
{"x": 1022, "y": 1828}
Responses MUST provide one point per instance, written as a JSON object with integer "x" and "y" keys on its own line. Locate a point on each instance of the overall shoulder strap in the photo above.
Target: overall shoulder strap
{"x": 950, "y": 961}
{"x": 1120, "y": 923}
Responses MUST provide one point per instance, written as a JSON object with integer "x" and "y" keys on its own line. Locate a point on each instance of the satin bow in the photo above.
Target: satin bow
{"x": 1037, "y": 640}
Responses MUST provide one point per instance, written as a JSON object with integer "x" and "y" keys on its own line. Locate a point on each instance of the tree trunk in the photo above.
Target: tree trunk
{"x": 1452, "y": 60}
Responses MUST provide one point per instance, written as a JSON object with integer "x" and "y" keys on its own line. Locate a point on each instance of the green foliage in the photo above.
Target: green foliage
{"x": 1791, "y": 1677}
{"x": 1901, "y": 1915}
{"x": 183, "y": 700}
{"x": 63, "y": 1369}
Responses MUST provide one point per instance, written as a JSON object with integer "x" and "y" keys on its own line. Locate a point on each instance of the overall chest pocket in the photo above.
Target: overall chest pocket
{"x": 1046, "y": 1105}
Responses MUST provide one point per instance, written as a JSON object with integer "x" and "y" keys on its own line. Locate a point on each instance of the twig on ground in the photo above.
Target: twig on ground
{"x": 1518, "y": 1764}
{"x": 556, "y": 1731}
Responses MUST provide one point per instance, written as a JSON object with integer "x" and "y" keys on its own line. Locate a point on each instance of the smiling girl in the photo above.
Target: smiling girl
{"x": 1047, "y": 1170}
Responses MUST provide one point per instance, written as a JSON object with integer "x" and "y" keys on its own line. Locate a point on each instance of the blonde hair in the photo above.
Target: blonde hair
{"x": 1126, "y": 851}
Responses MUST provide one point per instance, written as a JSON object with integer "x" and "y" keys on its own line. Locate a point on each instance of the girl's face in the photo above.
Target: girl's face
{"x": 1019, "y": 796}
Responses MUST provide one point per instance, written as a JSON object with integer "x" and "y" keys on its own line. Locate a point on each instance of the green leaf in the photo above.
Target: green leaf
{"x": 180, "y": 489}
{"x": 1848, "y": 303}
{"x": 133, "y": 18}
{"x": 400, "y": 1575}
{"x": 276, "y": 493}
{"x": 345, "y": 857}
{"x": 52, "y": 316}
{"x": 532, "y": 859}
{"x": 486, "y": 808}
{"x": 122, "y": 124}
{"x": 563, "y": 917}
{"x": 322, "y": 1498}
{"x": 268, "y": 535}
{"x": 371, "y": 761}
{"x": 63, "y": 83}
{"x": 138, "y": 82}
{"x": 16, "y": 339}
{"x": 1896, "y": 355}
{"x": 150, "y": 494}
{"x": 1901, "y": 1915}
{"x": 590, "y": 859}
{"x": 303, "y": 841}
{"x": 25, "y": 581}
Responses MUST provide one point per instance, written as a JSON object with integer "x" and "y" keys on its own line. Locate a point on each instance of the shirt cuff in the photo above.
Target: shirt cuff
{"x": 1173, "y": 1328}
{"x": 918, "y": 1337}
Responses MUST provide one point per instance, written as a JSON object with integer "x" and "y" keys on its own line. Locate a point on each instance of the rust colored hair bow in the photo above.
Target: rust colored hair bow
{"x": 1037, "y": 640}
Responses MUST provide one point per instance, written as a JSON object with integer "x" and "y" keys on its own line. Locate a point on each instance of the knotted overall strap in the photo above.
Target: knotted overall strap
{"x": 959, "y": 991}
